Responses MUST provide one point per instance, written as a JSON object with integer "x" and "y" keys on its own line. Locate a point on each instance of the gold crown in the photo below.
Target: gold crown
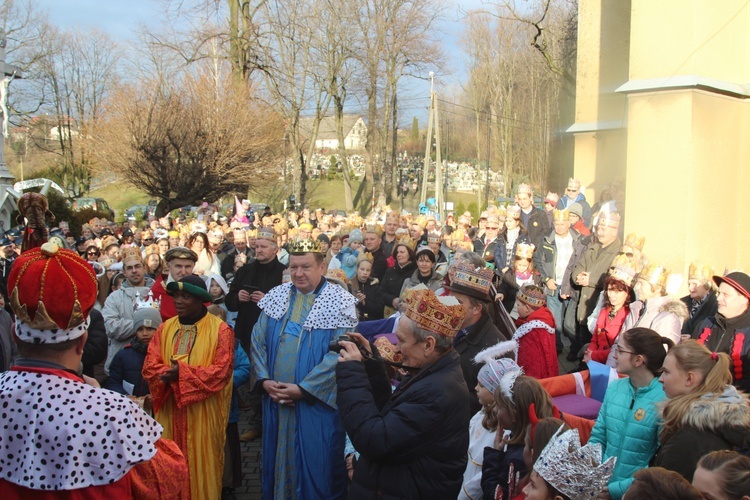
{"x": 365, "y": 256}
{"x": 304, "y": 246}
{"x": 131, "y": 253}
{"x": 532, "y": 295}
{"x": 656, "y": 275}
{"x": 524, "y": 188}
{"x": 434, "y": 237}
{"x": 623, "y": 270}
{"x": 635, "y": 241}
{"x": 251, "y": 233}
{"x": 458, "y": 235}
{"x": 406, "y": 240}
{"x": 574, "y": 183}
{"x": 561, "y": 215}
{"x": 440, "y": 315}
{"x": 704, "y": 274}
{"x": 513, "y": 211}
{"x": 474, "y": 281}
{"x": 375, "y": 229}
{"x": 525, "y": 251}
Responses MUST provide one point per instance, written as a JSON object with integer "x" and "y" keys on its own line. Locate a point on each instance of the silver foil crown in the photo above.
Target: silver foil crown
{"x": 574, "y": 470}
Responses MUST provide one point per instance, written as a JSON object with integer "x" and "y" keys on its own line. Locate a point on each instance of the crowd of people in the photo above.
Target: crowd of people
{"x": 388, "y": 356}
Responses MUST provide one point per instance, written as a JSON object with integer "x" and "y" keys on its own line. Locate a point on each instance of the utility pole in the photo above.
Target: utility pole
{"x": 428, "y": 146}
{"x": 438, "y": 166}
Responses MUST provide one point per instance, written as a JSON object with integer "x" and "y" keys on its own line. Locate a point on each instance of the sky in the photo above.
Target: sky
{"x": 121, "y": 18}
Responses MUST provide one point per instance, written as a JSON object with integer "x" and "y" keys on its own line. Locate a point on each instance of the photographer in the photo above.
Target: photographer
{"x": 414, "y": 445}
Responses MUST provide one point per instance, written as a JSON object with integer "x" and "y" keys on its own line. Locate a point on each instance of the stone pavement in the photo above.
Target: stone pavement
{"x": 250, "y": 489}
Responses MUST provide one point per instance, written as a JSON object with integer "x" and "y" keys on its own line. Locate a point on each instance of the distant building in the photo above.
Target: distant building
{"x": 355, "y": 133}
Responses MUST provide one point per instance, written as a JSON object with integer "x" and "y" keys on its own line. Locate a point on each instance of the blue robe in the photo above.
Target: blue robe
{"x": 303, "y": 445}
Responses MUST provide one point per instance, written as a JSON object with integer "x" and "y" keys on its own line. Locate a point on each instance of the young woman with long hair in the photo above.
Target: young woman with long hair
{"x": 705, "y": 412}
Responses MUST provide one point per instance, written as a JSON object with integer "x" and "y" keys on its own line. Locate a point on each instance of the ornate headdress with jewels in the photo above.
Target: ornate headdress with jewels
{"x": 301, "y": 246}
{"x": 52, "y": 291}
{"x": 574, "y": 470}
{"x": 623, "y": 270}
{"x": 440, "y": 315}
{"x": 469, "y": 280}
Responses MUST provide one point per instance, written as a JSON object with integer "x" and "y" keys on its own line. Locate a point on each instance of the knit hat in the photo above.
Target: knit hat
{"x": 498, "y": 371}
{"x": 51, "y": 291}
{"x": 147, "y": 316}
{"x": 576, "y": 209}
{"x": 356, "y": 235}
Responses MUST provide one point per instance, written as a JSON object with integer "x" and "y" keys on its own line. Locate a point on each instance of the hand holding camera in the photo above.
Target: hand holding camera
{"x": 351, "y": 347}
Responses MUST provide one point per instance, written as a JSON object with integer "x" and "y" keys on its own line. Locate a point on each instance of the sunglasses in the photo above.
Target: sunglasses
{"x": 492, "y": 228}
{"x": 92, "y": 253}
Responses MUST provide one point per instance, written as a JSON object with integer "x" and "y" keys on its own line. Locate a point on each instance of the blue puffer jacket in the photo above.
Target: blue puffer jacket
{"x": 125, "y": 370}
{"x": 627, "y": 428}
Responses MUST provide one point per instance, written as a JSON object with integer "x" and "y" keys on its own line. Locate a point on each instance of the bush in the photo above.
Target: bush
{"x": 460, "y": 208}
{"x": 474, "y": 209}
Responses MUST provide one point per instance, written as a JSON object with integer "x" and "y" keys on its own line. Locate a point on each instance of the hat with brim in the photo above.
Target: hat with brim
{"x": 737, "y": 280}
{"x": 194, "y": 285}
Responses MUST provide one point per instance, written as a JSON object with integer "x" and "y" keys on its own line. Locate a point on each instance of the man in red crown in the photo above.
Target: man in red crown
{"x": 63, "y": 436}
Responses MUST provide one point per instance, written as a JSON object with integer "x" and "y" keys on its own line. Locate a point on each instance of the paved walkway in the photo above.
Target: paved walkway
{"x": 250, "y": 489}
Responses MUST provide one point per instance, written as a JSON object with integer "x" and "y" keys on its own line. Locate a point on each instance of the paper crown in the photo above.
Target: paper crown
{"x": 634, "y": 241}
{"x": 513, "y": 211}
{"x": 365, "y": 256}
{"x": 524, "y": 188}
{"x": 497, "y": 371}
{"x": 160, "y": 233}
{"x": 609, "y": 219}
{"x": 493, "y": 219}
{"x": 146, "y": 234}
{"x": 574, "y": 183}
{"x": 574, "y": 470}
{"x": 525, "y": 250}
{"x": 375, "y": 229}
{"x": 251, "y": 233}
{"x": 153, "y": 248}
{"x": 338, "y": 276}
{"x": 469, "y": 280}
{"x": 147, "y": 303}
{"x": 532, "y": 295}
{"x": 305, "y": 226}
{"x": 266, "y": 233}
{"x": 406, "y": 240}
{"x": 300, "y": 246}
{"x": 198, "y": 228}
{"x": 704, "y": 274}
{"x": 551, "y": 198}
{"x": 387, "y": 350}
{"x": 440, "y": 315}
{"x": 458, "y": 235}
{"x": 52, "y": 291}
{"x": 560, "y": 215}
{"x": 173, "y": 233}
{"x": 656, "y": 275}
{"x": 434, "y": 237}
{"x": 623, "y": 270}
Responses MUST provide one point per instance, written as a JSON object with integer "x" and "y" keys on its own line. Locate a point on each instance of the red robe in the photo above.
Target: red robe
{"x": 167, "y": 302}
{"x": 536, "y": 352}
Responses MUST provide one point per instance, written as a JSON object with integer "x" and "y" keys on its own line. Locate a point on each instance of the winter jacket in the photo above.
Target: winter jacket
{"x": 480, "y": 336}
{"x": 501, "y": 250}
{"x": 379, "y": 264}
{"x": 545, "y": 257}
{"x": 627, "y": 428}
{"x": 711, "y": 424}
{"x": 565, "y": 201}
{"x": 125, "y": 369}
{"x": 486, "y": 250}
{"x": 606, "y": 332}
{"x": 496, "y": 466}
{"x": 97, "y": 344}
{"x": 595, "y": 260}
{"x": 664, "y": 315}
{"x": 414, "y": 447}
{"x": 708, "y": 308}
{"x": 372, "y": 307}
{"x": 394, "y": 280}
{"x": 536, "y": 352}
{"x": 118, "y": 316}
{"x": 536, "y": 224}
{"x": 348, "y": 259}
{"x": 433, "y": 283}
{"x": 8, "y": 351}
{"x": 731, "y": 336}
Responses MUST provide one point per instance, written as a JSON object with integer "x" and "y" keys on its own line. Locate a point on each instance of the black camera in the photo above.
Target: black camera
{"x": 334, "y": 345}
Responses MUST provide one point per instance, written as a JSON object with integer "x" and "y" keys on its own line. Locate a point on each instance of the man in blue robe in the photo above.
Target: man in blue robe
{"x": 303, "y": 437}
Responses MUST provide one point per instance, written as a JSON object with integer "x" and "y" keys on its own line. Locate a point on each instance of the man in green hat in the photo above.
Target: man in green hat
{"x": 189, "y": 373}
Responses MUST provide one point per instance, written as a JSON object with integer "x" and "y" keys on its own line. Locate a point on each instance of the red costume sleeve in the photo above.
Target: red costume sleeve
{"x": 163, "y": 476}
{"x": 153, "y": 367}
{"x": 197, "y": 383}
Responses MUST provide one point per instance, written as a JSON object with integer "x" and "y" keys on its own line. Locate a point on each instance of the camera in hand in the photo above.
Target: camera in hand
{"x": 334, "y": 345}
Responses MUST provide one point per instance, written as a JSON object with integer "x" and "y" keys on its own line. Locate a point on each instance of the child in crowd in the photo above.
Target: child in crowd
{"x": 536, "y": 352}
{"x": 126, "y": 367}
{"x": 657, "y": 482}
{"x": 347, "y": 257}
{"x": 484, "y": 425}
{"x": 723, "y": 474}
{"x": 503, "y": 464}
{"x": 218, "y": 289}
{"x": 565, "y": 470}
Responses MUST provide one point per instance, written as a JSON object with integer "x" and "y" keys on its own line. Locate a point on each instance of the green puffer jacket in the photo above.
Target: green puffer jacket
{"x": 627, "y": 428}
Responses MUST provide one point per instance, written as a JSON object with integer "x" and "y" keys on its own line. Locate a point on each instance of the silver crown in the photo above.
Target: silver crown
{"x": 574, "y": 470}
{"x": 149, "y": 302}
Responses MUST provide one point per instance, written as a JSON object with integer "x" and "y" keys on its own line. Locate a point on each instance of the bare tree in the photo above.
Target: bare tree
{"x": 186, "y": 142}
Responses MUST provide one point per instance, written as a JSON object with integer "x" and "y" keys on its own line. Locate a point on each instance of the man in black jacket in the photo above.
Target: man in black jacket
{"x": 701, "y": 301}
{"x": 471, "y": 286}
{"x": 373, "y": 244}
{"x": 252, "y": 282}
{"x": 534, "y": 220}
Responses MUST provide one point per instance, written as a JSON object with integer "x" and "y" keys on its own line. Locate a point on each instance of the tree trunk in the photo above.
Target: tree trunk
{"x": 339, "y": 114}
{"x": 395, "y": 188}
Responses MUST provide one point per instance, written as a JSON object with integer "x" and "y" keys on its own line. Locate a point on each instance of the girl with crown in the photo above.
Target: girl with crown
{"x": 520, "y": 273}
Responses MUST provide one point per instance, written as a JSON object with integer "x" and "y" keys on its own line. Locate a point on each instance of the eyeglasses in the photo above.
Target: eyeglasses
{"x": 92, "y": 253}
{"x": 629, "y": 255}
{"x": 617, "y": 350}
{"x": 571, "y": 190}
{"x": 492, "y": 228}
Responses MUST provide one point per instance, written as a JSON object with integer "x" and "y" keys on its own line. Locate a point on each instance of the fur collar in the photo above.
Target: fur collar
{"x": 727, "y": 413}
